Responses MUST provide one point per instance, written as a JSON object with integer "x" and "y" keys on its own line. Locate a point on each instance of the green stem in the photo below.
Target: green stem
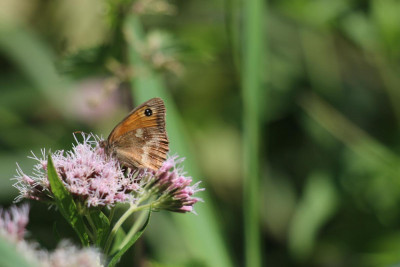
{"x": 90, "y": 234}
{"x": 82, "y": 211}
{"x": 133, "y": 208}
{"x": 93, "y": 235}
{"x": 145, "y": 206}
{"x": 251, "y": 85}
{"x": 117, "y": 225}
{"x": 111, "y": 216}
{"x": 133, "y": 229}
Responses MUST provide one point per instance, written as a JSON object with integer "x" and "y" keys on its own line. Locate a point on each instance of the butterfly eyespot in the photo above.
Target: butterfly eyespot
{"x": 148, "y": 112}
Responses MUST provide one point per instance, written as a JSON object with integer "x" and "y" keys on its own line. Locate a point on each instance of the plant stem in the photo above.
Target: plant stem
{"x": 82, "y": 211}
{"x": 93, "y": 226}
{"x": 90, "y": 234}
{"x": 133, "y": 229}
{"x": 117, "y": 225}
{"x": 111, "y": 216}
{"x": 133, "y": 208}
{"x": 251, "y": 85}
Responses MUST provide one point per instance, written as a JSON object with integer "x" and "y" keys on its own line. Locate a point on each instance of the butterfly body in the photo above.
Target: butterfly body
{"x": 140, "y": 139}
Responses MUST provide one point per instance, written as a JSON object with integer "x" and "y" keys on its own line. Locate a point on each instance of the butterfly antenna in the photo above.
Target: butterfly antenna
{"x": 80, "y": 132}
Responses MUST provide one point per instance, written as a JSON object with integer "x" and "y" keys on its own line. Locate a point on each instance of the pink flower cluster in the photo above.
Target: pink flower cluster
{"x": 87, "y": 173}
{"x": 68, "y": 255}
{"x": 95, "y": 179}
{"x": 172, "y": 187}
{"x": 13, "y": 222}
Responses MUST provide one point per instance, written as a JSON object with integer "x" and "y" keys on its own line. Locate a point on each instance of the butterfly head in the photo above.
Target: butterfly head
{"x": 104, "y": 144}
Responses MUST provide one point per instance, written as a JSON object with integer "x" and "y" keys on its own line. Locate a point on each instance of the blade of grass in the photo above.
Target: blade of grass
{"x": 317, "y": 205}
{"x": 201, "y": 233}
{"x": 391, "y": 82}
{"x": 354, "y": 137}
{"x": 380, "y": 171}
{"x": 33, "y": 58}
{"x": 251, "y": 85}
{"x": 232, "y": 24}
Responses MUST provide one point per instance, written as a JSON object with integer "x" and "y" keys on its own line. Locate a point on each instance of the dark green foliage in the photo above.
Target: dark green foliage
{"x": 328, "y": 109}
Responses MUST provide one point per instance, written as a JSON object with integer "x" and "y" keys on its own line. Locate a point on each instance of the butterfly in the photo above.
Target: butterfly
{"x": 140, "y": 140}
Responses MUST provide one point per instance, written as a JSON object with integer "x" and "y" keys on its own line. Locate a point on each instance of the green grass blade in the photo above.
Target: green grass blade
{"x": 200, "y": 233}
{"x": 351, "y": 135}
{"x": 32, "y": 56}
{"x": 317, "y": 205}
{"x": 251, "y": 85}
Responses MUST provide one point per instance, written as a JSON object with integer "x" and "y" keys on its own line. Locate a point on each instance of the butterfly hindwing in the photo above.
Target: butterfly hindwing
{"x": 150, "y": 148}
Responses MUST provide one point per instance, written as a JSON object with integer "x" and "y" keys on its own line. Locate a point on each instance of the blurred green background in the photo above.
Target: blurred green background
{"x": 292, "y": 111}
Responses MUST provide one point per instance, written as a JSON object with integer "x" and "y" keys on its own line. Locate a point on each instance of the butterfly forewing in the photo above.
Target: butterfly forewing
{"x": 137, "y": 119}
{"x": 140, "y": 140}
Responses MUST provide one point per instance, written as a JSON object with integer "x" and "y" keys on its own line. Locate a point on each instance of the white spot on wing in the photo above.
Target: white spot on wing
{"x": 139, "y": 133}
{"x": 145, "y": 157}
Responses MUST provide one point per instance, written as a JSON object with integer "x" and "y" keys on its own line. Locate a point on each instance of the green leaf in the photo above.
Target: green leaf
{"x": 102, "y": 224}
{"x": 56, "y": 233}
{"x": 66, "y": 204}
{"x": 119, "y": 237}
{"x": 316, "y": 207}
{"x": 115, "y": 258}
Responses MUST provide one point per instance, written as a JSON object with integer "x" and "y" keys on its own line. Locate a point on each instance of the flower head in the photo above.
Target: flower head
{"x": 87, "y": 173}
{"x": 13, "y": 222}
{"x": 67, "y": 255}
{"x": 171, "y": 187}
{"x": 96, "y": 179}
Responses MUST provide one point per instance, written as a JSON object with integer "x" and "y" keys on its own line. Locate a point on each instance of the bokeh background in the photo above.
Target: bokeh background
{"x": 324, "y": 102}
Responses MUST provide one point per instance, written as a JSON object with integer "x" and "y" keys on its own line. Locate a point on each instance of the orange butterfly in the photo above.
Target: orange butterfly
{"x": 140, "y": 139}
